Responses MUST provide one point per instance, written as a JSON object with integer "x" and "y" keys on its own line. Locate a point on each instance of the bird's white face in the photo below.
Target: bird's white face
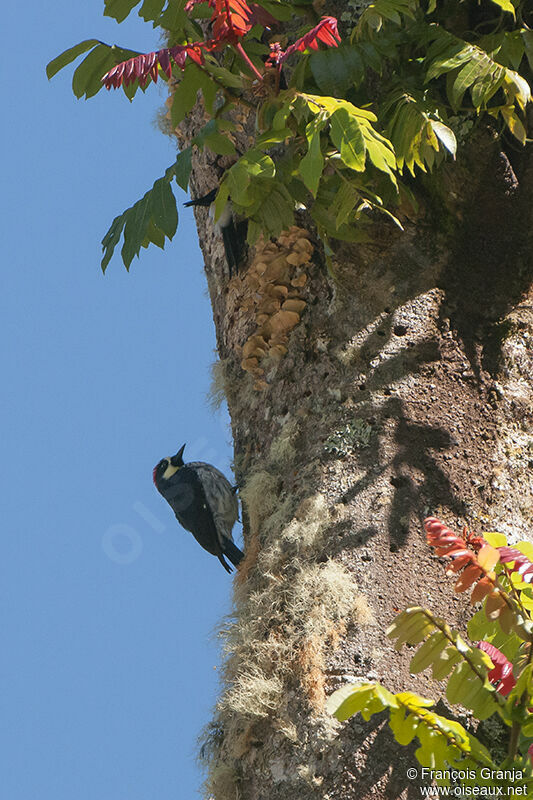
{"x": 164, "y": 470}
{"x": 170, "y": 471}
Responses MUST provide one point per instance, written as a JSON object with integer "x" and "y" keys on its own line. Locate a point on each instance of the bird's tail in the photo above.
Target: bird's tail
{"x": 206, "y": 200}
{"x": 232, "y": 246}
{"x": 232, "y": 552}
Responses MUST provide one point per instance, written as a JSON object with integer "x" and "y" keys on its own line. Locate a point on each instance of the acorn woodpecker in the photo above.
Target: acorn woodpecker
{"x": 204, "y": 503}
{"x": 233, "y": 235}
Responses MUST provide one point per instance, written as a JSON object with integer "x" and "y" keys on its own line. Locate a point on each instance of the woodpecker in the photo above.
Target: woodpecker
{"x": 204, "y": 503}
{"x": 232, "y": 234}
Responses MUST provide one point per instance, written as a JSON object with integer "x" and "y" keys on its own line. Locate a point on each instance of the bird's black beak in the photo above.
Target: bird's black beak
{"x": 177, "y": 460}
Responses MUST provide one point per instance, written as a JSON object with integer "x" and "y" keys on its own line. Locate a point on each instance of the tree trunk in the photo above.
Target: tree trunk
{"x": 405, "y": 390}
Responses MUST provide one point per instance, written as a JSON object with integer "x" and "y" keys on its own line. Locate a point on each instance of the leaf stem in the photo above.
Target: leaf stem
{"x": 242, "y": 52}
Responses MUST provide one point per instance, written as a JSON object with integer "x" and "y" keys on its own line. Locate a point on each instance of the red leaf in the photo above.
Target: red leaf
{"x": 469, "y": 576}
{"x": 146, "y": 65}
{"x": 128, "y": 71}
{"x": 445, "y": 541}
{"x": 522, "y": 564}
{"x": 260, "y": 16}
{"x": 501, "y": 676}
{"x": 179, "y": 55}
{"x": 138, "y": 66}
{"x": 230, "y": 20}
{"x": 164, "y": 62}
{"x": 326, "y": 31}
{"x": 487, "y": 558}
{"x": 482, "y": 588}
{"x": 494, "y": 605}
{"x": 195, "y": 53}
{"x": 461, "y": 561}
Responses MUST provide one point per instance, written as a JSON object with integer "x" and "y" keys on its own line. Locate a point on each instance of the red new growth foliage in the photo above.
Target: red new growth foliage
{"x": 145, "y": 66}
{"x": 522, "y": 564}
{"x": 326, "y": 32}
{"x": 260, "y": 16}
{"x": 230, "y": 19}
{"x": 447, "y": 543}
{"x": 469, "y": 553}
{"x": 501, "y": 676}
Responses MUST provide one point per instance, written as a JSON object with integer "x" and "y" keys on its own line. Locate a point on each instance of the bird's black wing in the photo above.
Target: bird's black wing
{"x": 186, "y": 496}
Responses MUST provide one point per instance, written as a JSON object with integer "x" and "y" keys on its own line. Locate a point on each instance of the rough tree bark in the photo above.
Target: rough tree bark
{"x": 406, "y": 389}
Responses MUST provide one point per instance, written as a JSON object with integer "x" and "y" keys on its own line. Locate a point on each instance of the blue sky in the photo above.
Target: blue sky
{"x": 108, "y": 612}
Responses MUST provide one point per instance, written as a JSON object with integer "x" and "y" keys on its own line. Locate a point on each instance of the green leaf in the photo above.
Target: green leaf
{"x": 346, "y": 135}
{"x": 442, "y": 668}
{"x": 276, "y": 212}
{"x": 163, "y": 208}
{"x": 209, "y": 91}
{"x": 371, "y": 56}
{"x": 174, "y": 17}
{"x": 183, "y": 167}
{"x": 456, "y": 56}
{"x": 505, "y": 5}
{"x": 217, "y": 143}
{"x": 496, "y": 539}
{"x": 412, "y": 626}
{"x": 404, "y": 726}
{"x": 312, "y": 164}
{"x": 210, "y": 136}
{"x": 253, "y": 165}
{"x": 154, "y": 235}
{"x": 466, "y": 688}
{"x": 227, "y": 78}
{"x": 151, "y": 10}
{"x": 135, "y": 229}
{"x": 119, "y": 9}
{"x": 445, "y": 135}
{"x": 368, "y": 698}
{"x": 345, "y": 201}
{"x": 516, "y": 88}
{"x": 380, "y": 152}
{"x": 221, "y": 198}
{"x": 112, "y": 238}
{"x": 429, "y": 652}
{"x": 526, "y": 548}
{"x": 69, "y": 55}
{"x": 87, "y": 78}
{"x": 336, "y": 69}
{"x": 280, "y": 117}
{"x": 150, "y": 219}
{"x": 474, "y": 70}
{"x": 277, "y": 9}
{"x": 324, "y": 213}
{"x": 271, "y": 137}
{"x": 514, "y": 124}
{"x": 185, "y": 94}
{"x": 527, "y": 37}
{"x": 513, "y": 48}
